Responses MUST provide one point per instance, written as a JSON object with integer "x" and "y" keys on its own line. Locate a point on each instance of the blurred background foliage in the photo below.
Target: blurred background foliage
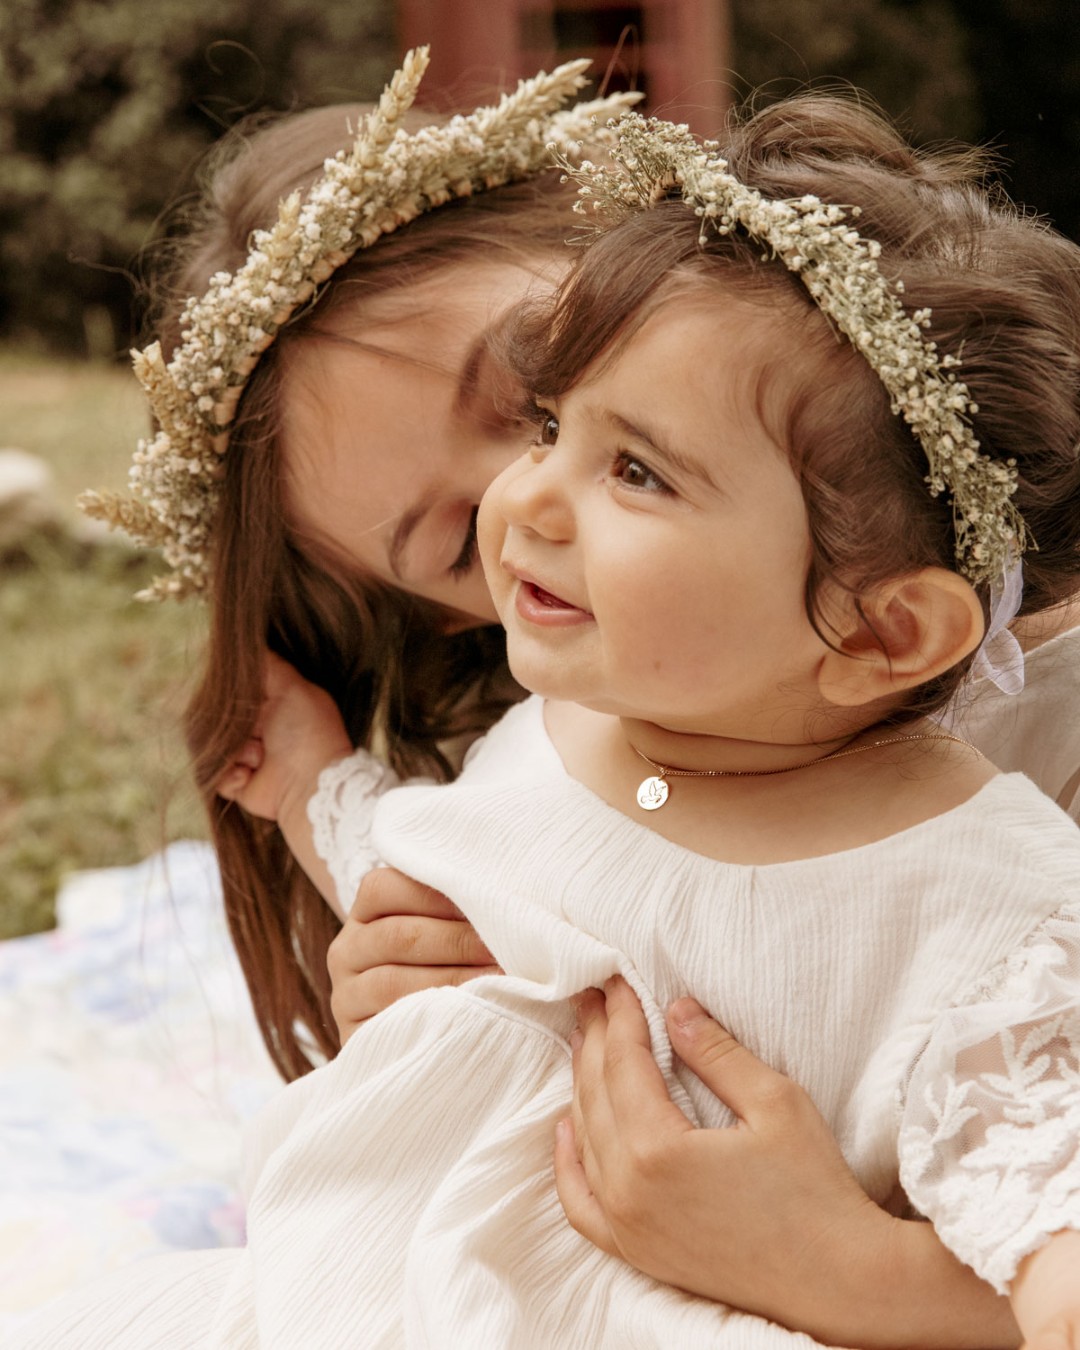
{"x": 1002, "y": 73}
{"x": 912, "y": 57}
{"x": 107, "y": 105}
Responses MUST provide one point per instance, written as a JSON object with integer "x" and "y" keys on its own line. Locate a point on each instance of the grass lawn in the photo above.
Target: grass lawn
{"x": 92, "y": 684}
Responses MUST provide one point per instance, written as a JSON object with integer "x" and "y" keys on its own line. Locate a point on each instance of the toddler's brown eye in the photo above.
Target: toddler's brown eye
{"x": 549, "y": 430}
{"x": 636, "y": 474}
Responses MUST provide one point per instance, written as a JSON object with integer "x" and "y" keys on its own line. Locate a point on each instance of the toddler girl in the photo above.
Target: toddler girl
{"x": 750, "y": 552}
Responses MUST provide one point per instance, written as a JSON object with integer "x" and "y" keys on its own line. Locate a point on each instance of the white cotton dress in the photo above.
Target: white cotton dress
{"x": 923, "y": 988}
{"x": 1035, "y": 732}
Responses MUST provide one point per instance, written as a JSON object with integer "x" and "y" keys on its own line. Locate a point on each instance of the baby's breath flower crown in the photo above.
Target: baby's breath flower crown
{"x": 839, "y": 267}
{"x": 386, "y": 179}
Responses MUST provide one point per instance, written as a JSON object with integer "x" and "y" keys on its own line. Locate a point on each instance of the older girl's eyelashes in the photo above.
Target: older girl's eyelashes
{"x": 465, "y": 559}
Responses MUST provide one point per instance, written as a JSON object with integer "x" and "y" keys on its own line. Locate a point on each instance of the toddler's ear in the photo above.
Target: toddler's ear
{"x": 912, "y": 628}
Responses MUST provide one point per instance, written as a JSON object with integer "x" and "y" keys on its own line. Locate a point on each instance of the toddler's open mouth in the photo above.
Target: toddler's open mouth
{"x": 546, "y": 598}
{"x": 536, "y": 604}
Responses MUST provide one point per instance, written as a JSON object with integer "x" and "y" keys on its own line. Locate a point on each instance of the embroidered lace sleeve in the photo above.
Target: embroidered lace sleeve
{"x": 990, "y": 1135}
{"x": 341, "y": 812}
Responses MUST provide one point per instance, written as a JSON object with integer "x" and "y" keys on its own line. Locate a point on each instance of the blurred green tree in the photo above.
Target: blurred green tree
{"x": 106, "y": 106}
{"x": 1002, "y": 73}
{"x": 1027, "y": 53}
{"x": 911, "y": 56}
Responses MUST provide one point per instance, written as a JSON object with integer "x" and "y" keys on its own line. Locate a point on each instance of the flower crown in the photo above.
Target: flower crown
{"x": 839, "y": 268}
{"x": 386, "y": 179}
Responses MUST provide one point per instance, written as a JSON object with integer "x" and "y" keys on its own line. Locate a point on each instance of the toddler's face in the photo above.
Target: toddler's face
{"x": 396, "y": 423}
{"x": 648, "y": 555}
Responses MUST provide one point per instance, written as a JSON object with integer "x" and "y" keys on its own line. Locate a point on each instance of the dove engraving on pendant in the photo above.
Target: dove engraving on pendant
{"x": 652, "y": 793}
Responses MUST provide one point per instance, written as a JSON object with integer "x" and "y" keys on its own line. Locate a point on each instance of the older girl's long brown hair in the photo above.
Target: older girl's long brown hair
{"x": 402, "y": 683}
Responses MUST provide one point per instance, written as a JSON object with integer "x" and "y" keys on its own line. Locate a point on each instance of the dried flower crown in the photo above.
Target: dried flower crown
{"x": 839, "y": 267}
{"x": 386, "y": 179}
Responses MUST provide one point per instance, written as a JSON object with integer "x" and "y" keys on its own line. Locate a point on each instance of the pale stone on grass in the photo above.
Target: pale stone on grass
{"x": 29, "y": 505}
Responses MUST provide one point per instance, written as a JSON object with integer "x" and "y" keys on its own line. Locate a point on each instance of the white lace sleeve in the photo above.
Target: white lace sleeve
{"x": 990, "y": 1135}
{"x": 341, "y": 811}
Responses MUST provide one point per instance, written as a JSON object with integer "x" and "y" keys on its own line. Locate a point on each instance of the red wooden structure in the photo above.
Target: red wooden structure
{"x": 676, "y": 51}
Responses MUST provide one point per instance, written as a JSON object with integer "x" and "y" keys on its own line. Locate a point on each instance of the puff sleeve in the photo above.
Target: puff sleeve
{"x": 990, "y": 1132}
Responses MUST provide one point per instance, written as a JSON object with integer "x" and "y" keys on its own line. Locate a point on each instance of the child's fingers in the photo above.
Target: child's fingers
{"x": 620, "y": 1109}
{"x": 750, "y": 1088}
{"x": 634, "y": 1078}
{"x": 635, "y": 1097}
{"x": 578, "y": 1202}
{"x": 591, "y": 1106}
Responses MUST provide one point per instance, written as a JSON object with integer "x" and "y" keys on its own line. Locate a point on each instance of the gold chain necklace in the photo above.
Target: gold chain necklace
{"x": 653, "y": 791}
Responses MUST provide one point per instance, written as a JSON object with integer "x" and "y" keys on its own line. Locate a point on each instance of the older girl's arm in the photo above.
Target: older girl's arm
{"x": 299, "y": 731}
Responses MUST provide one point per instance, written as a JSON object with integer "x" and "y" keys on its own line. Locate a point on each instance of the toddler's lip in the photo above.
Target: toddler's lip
{"x": 538, "y": 603}
{"x": 546, "y": 597}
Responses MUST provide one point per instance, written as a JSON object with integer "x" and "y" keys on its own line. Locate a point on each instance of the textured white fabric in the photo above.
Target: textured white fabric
{"x": 341, "y": 813}
{"x": 403, "y": 1196}
{"x": 1036, "y": 732}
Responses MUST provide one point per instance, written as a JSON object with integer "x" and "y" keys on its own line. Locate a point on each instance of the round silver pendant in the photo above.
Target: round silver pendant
{"x": 652, "y": 794}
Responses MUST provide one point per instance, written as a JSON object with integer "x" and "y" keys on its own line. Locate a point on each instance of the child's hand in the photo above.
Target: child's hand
{"x": 298, "y": 732}
{"x": 401, "y": 936}
{"x": 766, "y": 1215}
{"x": 1060, "y": 1333}
{"x": 699, "y": 1208}
{"x": 1046, "y": 1295}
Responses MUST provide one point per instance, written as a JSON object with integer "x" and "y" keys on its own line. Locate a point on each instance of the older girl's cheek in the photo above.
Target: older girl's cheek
{"x": 490, "y": 534}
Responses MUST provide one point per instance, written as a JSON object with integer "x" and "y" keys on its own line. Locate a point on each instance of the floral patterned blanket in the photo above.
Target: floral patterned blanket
{"x": 129, "y": 1060}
